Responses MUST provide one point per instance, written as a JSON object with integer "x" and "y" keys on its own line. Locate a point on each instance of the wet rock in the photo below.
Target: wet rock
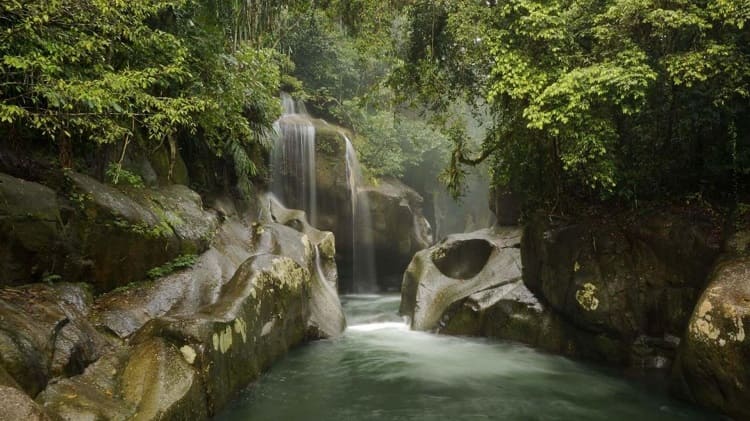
{"x": 184, "y": 292}
{"x": 511, "y": 312}
{"x": 621, "y": 279}
{"x": 315, "y": 250}
{"x": 30, "y": 230}
{"x": 187, "y": 364}
{"x": 160, "y": 383}
{"x": 45, "y": 333}
{"x": 713, "y": 366}
{"x": 457, "y": 267}
{"x": 138, "y": 228}
{"x": 16, "y": 405}
{"x": 261, "y": 313}
{"x": 399, "y": 229}
{"x": 187, "y": 341}
{"x": 148, "y": 381}
{"x": 471, "y": 284}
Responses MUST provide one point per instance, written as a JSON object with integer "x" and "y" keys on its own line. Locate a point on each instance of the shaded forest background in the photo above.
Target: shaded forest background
{"x": 582, "y": 101}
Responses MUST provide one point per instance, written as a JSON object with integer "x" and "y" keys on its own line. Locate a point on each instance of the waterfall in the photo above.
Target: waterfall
{"x": 293, "y": 159}
{"x": 362, "y": 241}
{"x": 294, "y": 184}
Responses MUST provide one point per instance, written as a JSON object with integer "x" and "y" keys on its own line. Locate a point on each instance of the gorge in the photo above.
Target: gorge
{"x": 374, "y": 210}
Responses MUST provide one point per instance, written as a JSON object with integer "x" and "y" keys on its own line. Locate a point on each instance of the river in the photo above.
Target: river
{"x": 380, "y": 370}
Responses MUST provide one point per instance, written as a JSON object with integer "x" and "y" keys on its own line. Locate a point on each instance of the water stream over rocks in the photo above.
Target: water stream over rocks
{"x": 380, "y": 370}
{"x": 294, "y": 183}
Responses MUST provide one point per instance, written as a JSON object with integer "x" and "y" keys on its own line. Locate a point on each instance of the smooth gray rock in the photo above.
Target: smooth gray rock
{"x": 457, "y": 267}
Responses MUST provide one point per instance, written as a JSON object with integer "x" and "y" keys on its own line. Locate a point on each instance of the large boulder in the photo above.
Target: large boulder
{"x": 88, "y": 231}
{"x": 318, "y": 254}
{"x": 45, "y": 333}
{"x": 399, "y": 229}
{"x": 195, "y": 337}
{"x": 187, "y": 366}
{"x": 152, "y": 380}
{"x": 137, "y": 228}
{"x": 634, "y": 283}
{"x": 713, "y": 366}
{"x": 30, "y": 230}
{"x": 285, "y": 232}
{"x": 457, "y": 267}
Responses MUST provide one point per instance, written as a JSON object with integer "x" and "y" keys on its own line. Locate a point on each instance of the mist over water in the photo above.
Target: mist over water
{"x": 380, "y": 370}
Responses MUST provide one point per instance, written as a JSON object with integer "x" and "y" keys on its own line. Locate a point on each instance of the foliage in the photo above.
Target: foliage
{"x": 343, "y": 52}
{"x": 184, "y": 261}
{"x": 611, "y": 98}
{"x": 102, "y": 72}
{"x": 118, "y": 175}
{"x": 388, "y": 143}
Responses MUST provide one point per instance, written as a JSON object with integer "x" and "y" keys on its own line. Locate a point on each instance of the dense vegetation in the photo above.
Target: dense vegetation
{"x": 621, "y": 99}
{"x": 88, "y": 74}
{"x": 583, "y": 99}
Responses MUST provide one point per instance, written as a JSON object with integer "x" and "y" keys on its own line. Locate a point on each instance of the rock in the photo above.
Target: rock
{"x": 262, "y": 312}
{"x": 713, "y": 366}
{"x": 620, "y": 279}
{"x": 512, "y": 312}
{"x": 30, "y": 230}
{"x": 137, "y": 228}
{"x": 399, "y": 228}
{"x": 471, "y": 284}
{"x": 188, "y": 358}
{"x": 185, "y": 292}
{"x": 159, "y": 381}
{"x": 15, "y": 405}
{"x": 148, "y": 381}
{"x": 506, "y": 206}
{"x": 166, "y": 171}
{"x": 94, "y": 395}
{"x": 45, "y": 333}
{"x": 317, "y": 255}
{"x": 187, "y": 341}
{"x": 457, "y": 267}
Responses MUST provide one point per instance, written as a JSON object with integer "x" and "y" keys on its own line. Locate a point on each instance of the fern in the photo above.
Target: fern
{"x": 244, "y": 167}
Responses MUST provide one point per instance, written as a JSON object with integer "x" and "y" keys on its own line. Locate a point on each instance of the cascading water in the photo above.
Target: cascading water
{"x": 364, "y": 258}
{"x": 294, "y": 184}
{"x": 293, "y": 159}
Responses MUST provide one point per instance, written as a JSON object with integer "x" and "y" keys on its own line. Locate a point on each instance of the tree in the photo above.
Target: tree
{"x": 591, "y": 97}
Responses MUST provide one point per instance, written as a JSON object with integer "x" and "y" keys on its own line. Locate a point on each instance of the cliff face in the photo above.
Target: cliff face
{"x": 664, "y": 290}
{"x": 147, "y": 302}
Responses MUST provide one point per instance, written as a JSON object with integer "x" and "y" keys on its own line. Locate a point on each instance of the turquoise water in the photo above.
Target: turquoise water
{"x": 380, "y": 370}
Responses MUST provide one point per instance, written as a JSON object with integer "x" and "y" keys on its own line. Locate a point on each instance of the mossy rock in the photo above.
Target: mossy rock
{"x": 713, "y": 366}
{"x": 166, "y": 171}
{"x": 31, "y": 230}
{"x": 140, "y": 229}
{"x": 45, "y": 333}
{"x": 15, "y": 405}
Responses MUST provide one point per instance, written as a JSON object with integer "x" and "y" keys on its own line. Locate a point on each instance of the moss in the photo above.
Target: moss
{"x": 180, "y": 262}
{"x": 160, "y": 161}
{"x": 586, "y": 297}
